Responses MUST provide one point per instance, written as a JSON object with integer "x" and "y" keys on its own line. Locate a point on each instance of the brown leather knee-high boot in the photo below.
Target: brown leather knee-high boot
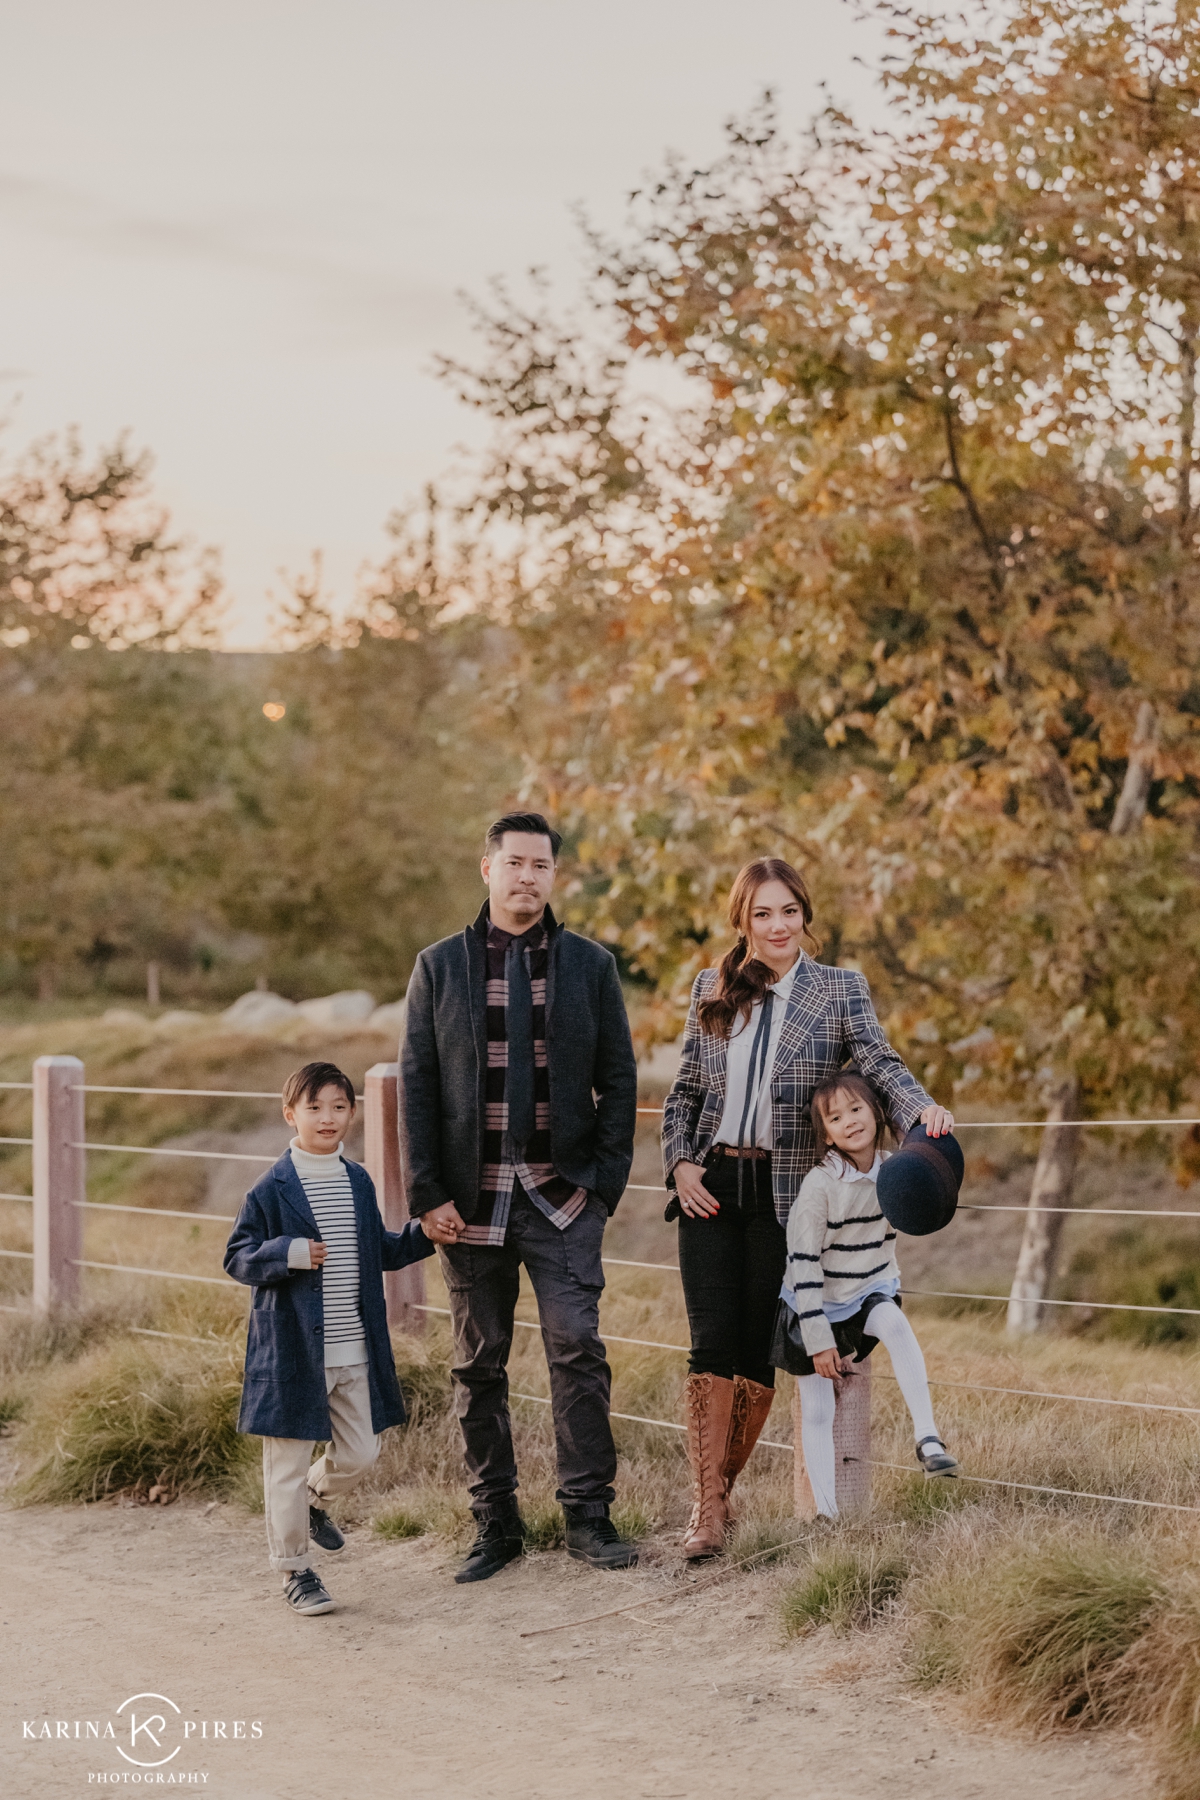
{"x": 709, "y": 1402}
{"x": 751, "y": 1406}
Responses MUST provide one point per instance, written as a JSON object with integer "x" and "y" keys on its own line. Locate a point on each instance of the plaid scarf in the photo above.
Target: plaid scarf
{"x": 503, "y": 1166}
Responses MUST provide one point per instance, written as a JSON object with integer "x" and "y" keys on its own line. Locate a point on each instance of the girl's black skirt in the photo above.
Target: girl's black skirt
{"x": 849, "y": 1336}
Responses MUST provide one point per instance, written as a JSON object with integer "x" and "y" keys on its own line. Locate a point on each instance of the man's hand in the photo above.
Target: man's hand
{"x": 937, "y": 1121}
{"x": 694, "y": 1197}
{"x": 829, "y": 1364}
{"x": 316, "y": 1254}
{"x": 444, "y": 1224}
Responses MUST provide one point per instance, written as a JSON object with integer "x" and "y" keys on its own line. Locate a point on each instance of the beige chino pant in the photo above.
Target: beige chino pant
{"x": 292, "y": 1482}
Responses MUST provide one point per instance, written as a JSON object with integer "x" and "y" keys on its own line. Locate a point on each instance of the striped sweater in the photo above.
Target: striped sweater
{"x": 326, "y": 1184}
{"x": 840, "y": 1248}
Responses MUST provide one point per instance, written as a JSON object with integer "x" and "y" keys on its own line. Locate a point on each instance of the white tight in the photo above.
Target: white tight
{"x": 887, "y": 1323}
{"x": 816, "y": 1435}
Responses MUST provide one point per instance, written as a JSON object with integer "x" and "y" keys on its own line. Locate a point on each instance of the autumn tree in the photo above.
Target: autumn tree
{"x": 110, "y": 744}
{"x": 358, "y": 841}
{"x": 908, "y": 588}
{"x": 152, "y": 811}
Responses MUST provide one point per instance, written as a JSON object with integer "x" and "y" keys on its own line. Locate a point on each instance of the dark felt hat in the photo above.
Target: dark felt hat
{"x": 918, "y": 1186}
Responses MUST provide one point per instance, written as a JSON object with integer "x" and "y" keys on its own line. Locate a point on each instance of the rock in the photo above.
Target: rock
{"x": 123, "y": 1015}
{"x": 256, "y": 1012}
{"x": 352, "y": 1007}
{"x": 170, "y": 1022}
{"x": 388, "y": 1019}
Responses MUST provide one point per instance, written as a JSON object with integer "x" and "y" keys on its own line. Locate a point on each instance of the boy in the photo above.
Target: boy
{"x": 311, "y": 1243}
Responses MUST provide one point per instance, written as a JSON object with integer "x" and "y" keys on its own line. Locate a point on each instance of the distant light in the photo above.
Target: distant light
{"x": 274, "y": 711}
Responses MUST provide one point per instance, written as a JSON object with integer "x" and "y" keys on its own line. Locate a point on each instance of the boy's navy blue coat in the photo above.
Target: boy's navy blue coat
{"x": 283, "y": 1393}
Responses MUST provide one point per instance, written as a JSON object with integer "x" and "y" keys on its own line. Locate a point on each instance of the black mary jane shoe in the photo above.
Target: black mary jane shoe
{"x": 937, "y": 1460}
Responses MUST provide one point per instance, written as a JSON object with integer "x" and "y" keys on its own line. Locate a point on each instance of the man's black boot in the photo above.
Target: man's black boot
{"x": 499, "y": 1539}
{"x": 598, "y": 1542}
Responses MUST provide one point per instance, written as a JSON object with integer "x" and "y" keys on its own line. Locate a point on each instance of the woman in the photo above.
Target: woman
{"x": 765, "y": 1026}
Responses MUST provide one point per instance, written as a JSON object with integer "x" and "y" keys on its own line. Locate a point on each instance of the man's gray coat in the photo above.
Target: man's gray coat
{"x": 443, "y": 1068}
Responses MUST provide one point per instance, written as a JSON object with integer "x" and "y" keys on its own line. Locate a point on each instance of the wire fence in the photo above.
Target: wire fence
{"x": 87, "y": 1146}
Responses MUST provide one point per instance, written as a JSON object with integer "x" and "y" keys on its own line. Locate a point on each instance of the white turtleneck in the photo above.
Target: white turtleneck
{"x": 326, "y": 1184}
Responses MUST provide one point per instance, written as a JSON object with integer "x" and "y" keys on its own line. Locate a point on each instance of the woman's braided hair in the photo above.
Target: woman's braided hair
{"x": 741, "y": 979}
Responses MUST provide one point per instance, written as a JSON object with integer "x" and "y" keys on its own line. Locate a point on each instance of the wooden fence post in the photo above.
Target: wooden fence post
{"x": 59, "y": 1181}
{"x": 405, "y": 1288}
{"x": 1053, "y": 1186}
{"x": 851, "y": 1447}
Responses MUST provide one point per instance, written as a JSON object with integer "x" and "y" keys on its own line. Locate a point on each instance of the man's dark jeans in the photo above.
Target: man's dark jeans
{"x": 484, "y": 1280}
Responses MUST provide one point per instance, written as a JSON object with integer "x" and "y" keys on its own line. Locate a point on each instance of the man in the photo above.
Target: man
{"x": 519, "y": 1107}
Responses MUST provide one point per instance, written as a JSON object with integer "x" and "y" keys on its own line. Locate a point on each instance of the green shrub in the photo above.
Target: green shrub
{"x": 128, "y": 1417}
{"x": 1138, "y": 1265}
{"x": 423, "y": 1365}
{"x": 844, "y": 1588}
{"x": 763, "y": 1537}
{"x": 1156, "y": 1686}
{"x": 918, "y": 1501}
{"x": 400, "y": 1522}
{"x": 424, "y": 1509}
{"x": 30, "y": 1342}
{"x": 545, "y": 1527}
{"x": 633, "y": 1519}
{"x": 1040, "y": 1634}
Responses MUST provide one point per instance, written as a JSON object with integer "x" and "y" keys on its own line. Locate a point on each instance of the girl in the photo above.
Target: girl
{"x": 843, "y": 1281}
{"x": 765, "y": 1027}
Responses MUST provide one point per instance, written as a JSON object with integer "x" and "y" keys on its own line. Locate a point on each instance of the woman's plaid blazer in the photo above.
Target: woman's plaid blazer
{"x": 829, "y": 1024}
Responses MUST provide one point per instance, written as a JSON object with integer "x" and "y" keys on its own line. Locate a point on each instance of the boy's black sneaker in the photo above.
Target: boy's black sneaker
{"x": 305, "y": 1592}
{"x": 598, "y": 1542}
{"x": 499, "y": 1540}
{"x": 323, "y": 1531}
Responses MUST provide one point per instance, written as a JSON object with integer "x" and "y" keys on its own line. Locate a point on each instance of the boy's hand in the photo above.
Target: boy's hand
{"x": 444, "y": 1224}
{"x": 316, "y": 1254}
{"x": 829, "y": 1364}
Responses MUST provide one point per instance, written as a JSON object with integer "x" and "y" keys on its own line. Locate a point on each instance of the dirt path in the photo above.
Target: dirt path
{"x": 418, "y": 1689}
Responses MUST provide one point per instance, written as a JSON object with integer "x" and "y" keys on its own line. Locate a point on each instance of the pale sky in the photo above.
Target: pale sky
{"x": 238, "y": 230}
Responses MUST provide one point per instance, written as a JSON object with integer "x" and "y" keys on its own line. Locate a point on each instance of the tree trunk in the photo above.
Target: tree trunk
{"x": 1053, "y": 1185}
{"x": 1139, "y": 772}
{"x": 1187, "y": 419}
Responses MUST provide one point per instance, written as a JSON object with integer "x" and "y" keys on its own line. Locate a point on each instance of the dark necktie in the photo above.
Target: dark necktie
{"x": 755, "y": 1076}
{"x": 518, "y": 1026}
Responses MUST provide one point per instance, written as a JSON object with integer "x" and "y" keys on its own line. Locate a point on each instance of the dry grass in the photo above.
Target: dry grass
{"x": 1045, "y": 1611}
{"x": 1066, "y": 1627}
{"x": 126, "y": 1417}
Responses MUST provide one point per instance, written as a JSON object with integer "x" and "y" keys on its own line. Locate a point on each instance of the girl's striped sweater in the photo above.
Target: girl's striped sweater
{"x": 840, "y": 1247}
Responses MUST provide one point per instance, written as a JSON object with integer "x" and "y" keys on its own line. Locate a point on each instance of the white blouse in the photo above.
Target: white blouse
{"x": 759, "y": 1124}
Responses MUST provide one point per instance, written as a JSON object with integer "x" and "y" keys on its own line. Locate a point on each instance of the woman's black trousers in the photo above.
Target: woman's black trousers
{"x": 732, "y": 1266}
